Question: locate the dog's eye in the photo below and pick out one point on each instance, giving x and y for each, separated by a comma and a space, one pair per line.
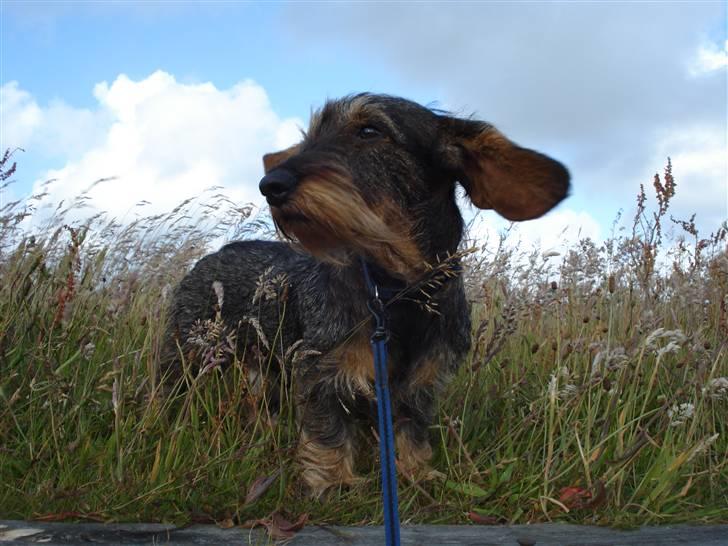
368, 132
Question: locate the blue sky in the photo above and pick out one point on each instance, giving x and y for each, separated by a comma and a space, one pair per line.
610, 89
60, 50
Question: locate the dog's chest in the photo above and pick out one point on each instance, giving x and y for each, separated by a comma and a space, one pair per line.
415, 337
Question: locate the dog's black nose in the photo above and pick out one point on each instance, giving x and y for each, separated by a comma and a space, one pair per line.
277, 185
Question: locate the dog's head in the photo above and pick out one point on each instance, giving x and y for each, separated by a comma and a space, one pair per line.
375, 175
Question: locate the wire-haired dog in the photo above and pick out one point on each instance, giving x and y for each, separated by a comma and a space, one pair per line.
372, 181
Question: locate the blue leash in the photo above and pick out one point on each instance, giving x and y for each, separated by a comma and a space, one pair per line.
384, 412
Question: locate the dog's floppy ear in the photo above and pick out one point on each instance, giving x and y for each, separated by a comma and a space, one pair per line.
518, 183
271, 161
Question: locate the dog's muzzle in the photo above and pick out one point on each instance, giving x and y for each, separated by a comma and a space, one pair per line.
277, 186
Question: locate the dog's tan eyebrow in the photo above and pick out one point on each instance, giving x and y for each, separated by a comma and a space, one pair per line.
368, 113
356, 111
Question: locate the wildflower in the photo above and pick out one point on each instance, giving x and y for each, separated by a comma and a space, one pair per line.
88, 350
671, 347
673, 341
716, 388
703, 445
605, 361
553, 386
269, 287
205, 333
680, 414
568, 391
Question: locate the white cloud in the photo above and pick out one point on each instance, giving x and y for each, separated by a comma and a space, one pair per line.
590, 83
57, 130
557, 230
162, 140
20, 116
710, 57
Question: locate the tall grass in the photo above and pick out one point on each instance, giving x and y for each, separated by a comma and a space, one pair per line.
597, 389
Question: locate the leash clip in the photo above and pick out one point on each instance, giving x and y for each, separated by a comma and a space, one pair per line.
376, 308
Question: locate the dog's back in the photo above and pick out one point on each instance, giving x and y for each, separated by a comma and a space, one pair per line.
247, 284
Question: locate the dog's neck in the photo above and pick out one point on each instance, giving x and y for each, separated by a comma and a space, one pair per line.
442, 228
387, 284
445, 268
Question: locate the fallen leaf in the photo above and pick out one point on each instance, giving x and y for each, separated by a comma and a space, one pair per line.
280, 528
481, 519
259, 486
574, 497
227, 523
287, 525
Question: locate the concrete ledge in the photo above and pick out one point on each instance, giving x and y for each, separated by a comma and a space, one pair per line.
21, 532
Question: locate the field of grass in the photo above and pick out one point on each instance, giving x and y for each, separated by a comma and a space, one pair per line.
597, 390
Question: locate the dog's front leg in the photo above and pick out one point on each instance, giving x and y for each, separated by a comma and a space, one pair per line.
414, 414
325, 449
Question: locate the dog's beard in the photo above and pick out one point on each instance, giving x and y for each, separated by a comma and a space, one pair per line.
311, 237
328, 217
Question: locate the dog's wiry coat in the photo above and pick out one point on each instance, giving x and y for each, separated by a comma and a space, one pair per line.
374, 179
